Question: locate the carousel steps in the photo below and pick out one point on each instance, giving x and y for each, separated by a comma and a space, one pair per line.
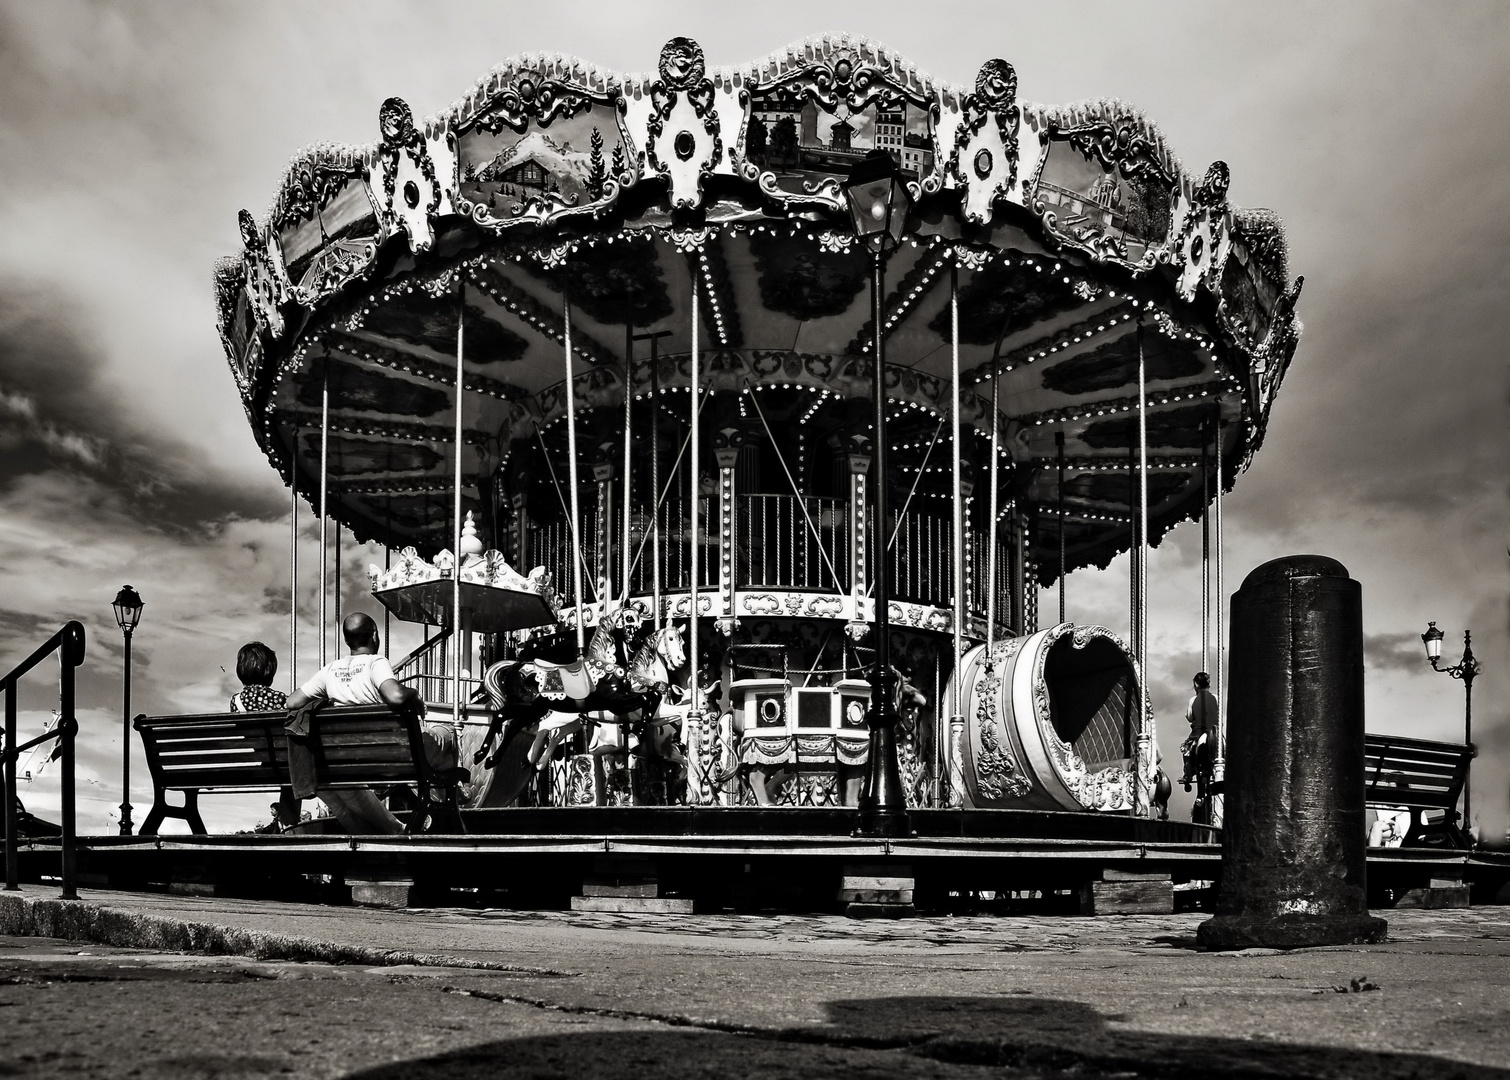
1127, 892
628, 885
877, 891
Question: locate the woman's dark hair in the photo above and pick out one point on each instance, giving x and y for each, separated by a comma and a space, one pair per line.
1202, 681
256, 664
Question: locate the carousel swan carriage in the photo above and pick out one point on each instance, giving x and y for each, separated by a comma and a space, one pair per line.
594, 356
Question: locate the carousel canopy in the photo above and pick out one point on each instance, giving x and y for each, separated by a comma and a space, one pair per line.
1072, 237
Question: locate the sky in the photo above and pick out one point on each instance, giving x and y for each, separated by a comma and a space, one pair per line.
130, 134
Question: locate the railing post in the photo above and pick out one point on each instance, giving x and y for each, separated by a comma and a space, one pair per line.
726, 447
12, 854
859, 454
71, 654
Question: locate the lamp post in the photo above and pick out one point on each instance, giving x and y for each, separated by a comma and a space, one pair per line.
1466, 669
878, 201
128, 612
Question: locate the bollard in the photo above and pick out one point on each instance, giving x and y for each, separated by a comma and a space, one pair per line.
1293, 842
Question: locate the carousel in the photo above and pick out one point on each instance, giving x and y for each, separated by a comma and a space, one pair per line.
722, 426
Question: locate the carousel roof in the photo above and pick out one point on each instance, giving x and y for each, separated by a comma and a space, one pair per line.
1073, 233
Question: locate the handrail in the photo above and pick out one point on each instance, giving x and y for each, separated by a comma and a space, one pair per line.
420, 652
70, 634
68, 643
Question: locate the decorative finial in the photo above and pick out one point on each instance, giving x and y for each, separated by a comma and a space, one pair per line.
471, 543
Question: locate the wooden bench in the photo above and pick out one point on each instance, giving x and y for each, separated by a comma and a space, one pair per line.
354, 746
1420, 775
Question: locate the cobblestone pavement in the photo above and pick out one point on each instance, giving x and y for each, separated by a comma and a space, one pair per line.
717, 995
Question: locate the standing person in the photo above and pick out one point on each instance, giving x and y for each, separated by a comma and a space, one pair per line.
366, 678
256, 665
1201, 714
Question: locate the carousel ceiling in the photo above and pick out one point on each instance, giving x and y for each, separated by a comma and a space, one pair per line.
1075, 237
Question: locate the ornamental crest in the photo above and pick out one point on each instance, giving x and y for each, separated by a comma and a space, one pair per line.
983, 160
1201, 247
410, 187
266, 284
685, 141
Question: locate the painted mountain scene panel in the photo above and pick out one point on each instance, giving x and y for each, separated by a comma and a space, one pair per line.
543, 168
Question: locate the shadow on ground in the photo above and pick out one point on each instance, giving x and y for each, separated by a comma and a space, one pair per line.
1015, 1036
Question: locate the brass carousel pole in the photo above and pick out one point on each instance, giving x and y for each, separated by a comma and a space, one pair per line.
624, 541
461, 321
655, 480
1219, 766
956, 715
694, 713
991, 559
1059, 453
1146, 741
1205, 547
324, 497
337, 589
293, 565
571, 453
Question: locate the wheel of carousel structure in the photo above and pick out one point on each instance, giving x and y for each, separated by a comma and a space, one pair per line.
1051, 722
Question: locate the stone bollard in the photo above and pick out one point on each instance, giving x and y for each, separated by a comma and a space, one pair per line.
1293, 842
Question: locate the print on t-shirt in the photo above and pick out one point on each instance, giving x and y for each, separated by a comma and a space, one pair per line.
351, 680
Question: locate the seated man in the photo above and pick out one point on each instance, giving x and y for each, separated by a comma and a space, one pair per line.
365, 678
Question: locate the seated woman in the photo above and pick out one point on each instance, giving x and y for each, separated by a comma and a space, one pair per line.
256, 665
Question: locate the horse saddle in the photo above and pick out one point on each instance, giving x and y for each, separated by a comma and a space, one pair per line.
562, 682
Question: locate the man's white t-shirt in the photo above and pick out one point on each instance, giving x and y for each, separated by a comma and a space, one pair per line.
351, 680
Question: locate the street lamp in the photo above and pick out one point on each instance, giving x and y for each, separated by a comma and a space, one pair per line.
1465, 669
878, 200
128, 612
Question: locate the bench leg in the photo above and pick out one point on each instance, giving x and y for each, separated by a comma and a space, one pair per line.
191, 813
154, 817
188, 812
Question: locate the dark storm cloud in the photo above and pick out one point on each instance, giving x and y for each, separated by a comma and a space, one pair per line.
57, 414
1393, 652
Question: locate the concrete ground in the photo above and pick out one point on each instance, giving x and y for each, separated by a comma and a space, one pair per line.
333, 992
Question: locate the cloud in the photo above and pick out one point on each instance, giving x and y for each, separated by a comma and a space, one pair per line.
57, 413
1393, 652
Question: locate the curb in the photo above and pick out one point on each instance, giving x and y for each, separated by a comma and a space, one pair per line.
76, 920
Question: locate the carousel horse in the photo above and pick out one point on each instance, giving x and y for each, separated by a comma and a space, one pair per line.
549, 696
767, 781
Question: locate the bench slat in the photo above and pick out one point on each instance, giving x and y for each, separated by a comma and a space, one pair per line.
189, 746
195, 761
222, 777
1425, 799
1437, 760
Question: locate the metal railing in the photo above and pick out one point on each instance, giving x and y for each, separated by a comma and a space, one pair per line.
921, 558
775, 546
68, 643
778, 546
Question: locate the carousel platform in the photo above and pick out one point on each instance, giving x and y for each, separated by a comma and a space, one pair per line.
715, 858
